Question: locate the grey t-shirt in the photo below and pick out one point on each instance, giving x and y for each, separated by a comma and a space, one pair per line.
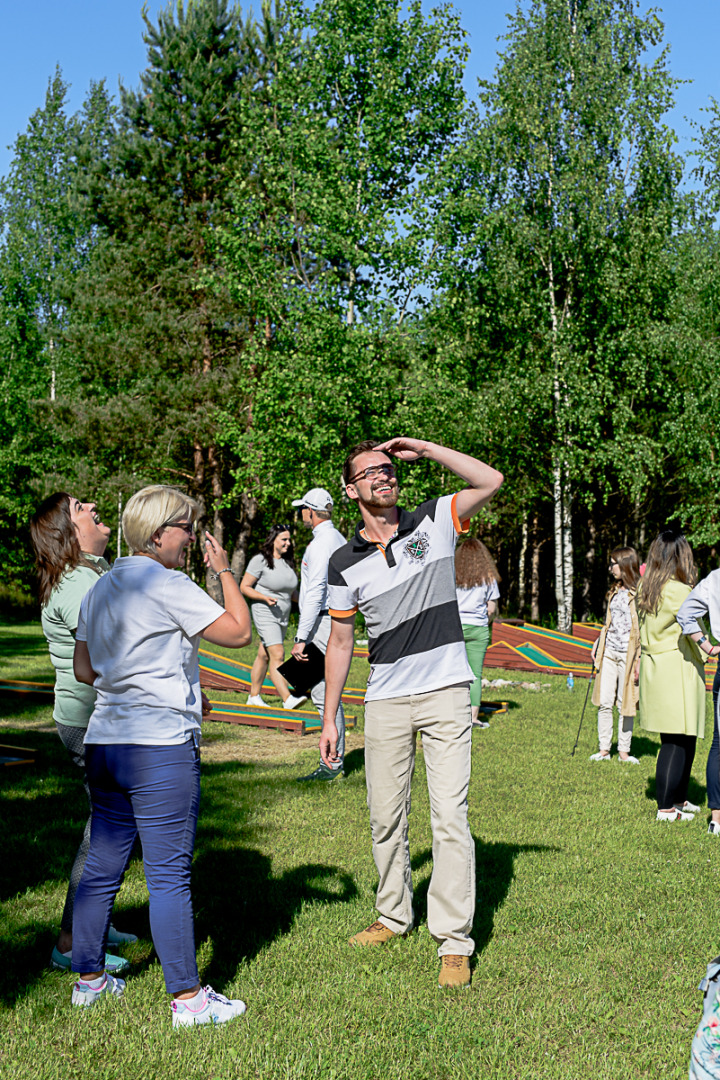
280, 582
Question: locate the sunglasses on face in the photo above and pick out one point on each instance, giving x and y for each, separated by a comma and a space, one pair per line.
373, 472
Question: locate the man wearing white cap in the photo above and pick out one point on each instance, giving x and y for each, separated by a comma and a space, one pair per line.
314, 623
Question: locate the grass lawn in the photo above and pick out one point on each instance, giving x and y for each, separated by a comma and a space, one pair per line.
594, 923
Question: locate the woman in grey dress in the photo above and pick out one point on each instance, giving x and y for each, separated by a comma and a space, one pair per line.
270, 584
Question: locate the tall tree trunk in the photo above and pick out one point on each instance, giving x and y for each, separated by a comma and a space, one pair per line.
589, 570
535, 546
213, 586
248, 513
521, 567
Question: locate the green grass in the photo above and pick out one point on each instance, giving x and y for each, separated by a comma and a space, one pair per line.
594, 923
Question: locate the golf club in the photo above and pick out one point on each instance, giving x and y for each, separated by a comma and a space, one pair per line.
582, 715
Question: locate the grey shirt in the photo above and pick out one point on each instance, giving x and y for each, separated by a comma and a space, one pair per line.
703, 601
280, 582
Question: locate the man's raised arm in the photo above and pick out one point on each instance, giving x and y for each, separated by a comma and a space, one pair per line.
483, 481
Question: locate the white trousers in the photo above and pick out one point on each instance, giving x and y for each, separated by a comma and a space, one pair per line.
391, 727
612, 681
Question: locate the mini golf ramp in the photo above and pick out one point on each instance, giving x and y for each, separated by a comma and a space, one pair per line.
301, 721
220, 673
525, 647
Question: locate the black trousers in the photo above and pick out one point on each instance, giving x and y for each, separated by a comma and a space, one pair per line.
672, 775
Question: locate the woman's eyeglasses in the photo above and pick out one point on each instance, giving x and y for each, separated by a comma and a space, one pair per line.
280, 528
186, 526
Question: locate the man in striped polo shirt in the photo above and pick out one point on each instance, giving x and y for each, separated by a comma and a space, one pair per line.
399, 571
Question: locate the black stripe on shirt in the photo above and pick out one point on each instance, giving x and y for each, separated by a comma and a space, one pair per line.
430, 629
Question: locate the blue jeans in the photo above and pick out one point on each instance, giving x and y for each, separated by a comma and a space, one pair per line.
712, 771
153, 791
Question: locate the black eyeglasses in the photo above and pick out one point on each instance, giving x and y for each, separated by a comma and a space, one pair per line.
281, 528
373, 472
186, 526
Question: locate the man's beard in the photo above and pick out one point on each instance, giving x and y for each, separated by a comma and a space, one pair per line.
387, 499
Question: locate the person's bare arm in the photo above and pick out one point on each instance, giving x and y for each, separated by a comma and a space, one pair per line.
82, 668
483, 481
492, 606
233, 629
247, 588
338, 658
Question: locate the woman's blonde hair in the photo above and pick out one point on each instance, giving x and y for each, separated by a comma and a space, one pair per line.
148, 510
474, 565
669, 556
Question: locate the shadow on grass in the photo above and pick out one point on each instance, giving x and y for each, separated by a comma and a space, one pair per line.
238, 902
23, 646
643, 747
354, 761
494, 873
696, 792
243, 907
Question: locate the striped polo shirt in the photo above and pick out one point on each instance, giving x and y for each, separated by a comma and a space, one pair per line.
406, 591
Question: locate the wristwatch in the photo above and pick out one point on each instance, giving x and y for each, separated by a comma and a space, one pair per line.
299, 641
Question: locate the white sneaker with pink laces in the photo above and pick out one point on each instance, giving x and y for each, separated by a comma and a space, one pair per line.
206, 1007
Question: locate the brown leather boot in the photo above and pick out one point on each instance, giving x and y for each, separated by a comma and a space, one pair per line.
377, 934
454, 972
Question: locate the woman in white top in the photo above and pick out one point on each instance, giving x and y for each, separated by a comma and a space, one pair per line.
476, 587
137, 643
615, 655
270, 584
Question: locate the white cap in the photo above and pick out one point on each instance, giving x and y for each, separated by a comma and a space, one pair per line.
315, 499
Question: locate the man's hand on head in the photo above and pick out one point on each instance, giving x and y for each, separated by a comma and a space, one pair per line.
405, 449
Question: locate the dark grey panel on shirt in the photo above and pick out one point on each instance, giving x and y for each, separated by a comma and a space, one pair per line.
428, 630
433, 584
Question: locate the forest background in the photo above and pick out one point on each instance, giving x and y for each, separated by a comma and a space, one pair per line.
300, 230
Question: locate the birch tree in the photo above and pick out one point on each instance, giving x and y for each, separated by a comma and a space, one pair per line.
569, 179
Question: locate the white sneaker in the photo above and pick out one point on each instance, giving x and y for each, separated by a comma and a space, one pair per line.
714, 828
293, 702
688, 807
673, 815
629, 760
86, 994
257, 700
599, 757
206, 1007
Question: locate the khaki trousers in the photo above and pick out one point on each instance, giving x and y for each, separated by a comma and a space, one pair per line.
612, 681
391, 726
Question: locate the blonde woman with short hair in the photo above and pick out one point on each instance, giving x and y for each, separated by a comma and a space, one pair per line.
137, 643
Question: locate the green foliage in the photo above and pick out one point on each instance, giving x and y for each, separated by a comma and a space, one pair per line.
297, 233
46, 235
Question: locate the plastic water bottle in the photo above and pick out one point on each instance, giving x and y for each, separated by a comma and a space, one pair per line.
570, 681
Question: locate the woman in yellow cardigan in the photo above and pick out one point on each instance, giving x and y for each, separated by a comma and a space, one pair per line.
672, 681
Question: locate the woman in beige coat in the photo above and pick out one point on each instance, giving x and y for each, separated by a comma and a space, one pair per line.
615, 655
672, 681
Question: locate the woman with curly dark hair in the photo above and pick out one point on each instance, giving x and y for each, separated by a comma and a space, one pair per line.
69, 541
476, 587
270, 584
672, 680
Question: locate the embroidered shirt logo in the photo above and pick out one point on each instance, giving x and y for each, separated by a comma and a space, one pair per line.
417, 547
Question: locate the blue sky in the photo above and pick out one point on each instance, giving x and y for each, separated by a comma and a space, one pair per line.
92, 39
